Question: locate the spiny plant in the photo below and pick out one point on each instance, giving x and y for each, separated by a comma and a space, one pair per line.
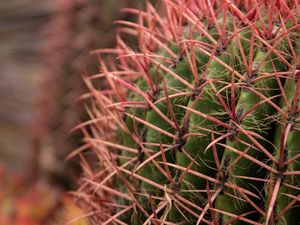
199, 124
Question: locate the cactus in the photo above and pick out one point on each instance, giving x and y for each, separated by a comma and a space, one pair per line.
199, 123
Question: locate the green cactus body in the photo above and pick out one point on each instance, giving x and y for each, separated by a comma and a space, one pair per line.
216, 138
289, 183
207, 104
194, 148
254, 121
286, 145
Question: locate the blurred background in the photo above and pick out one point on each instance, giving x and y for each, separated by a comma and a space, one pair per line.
22, 72
44, 51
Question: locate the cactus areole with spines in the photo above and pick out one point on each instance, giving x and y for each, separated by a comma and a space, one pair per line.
200, 123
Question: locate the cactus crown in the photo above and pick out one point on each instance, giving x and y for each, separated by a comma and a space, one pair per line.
200, 123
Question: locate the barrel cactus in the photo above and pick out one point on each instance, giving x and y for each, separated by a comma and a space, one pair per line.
198, 124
